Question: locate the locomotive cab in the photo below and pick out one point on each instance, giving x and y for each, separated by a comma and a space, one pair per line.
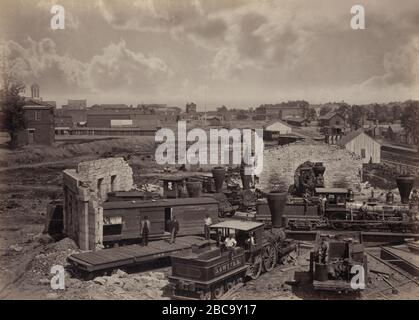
210, 273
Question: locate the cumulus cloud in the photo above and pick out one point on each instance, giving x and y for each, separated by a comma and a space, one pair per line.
120, 68
115, 68
37, 61
273, 49
401, 67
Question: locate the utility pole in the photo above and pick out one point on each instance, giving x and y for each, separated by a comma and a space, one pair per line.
205, 105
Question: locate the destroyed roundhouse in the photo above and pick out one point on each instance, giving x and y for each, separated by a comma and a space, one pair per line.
85, 189
344, 169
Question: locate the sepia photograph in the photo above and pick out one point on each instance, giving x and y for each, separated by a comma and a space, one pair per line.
230, 150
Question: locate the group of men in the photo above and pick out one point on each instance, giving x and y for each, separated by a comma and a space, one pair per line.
146, 226
173, 228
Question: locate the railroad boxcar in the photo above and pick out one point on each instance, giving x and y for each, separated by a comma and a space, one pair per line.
122, 219
216, 270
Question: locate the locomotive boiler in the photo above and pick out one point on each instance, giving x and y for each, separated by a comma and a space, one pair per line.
337, 208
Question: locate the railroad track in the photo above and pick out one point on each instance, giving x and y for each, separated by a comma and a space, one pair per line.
395, 288
368, 238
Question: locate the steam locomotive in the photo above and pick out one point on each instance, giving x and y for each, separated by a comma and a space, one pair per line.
311, 206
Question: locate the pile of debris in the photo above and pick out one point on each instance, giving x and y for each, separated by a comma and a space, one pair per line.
53, 254
149, 285
148, 187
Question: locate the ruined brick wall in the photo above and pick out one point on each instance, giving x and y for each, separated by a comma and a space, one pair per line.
85, 189
343, 169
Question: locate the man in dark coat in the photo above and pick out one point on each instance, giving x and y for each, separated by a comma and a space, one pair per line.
174, 229
145, 230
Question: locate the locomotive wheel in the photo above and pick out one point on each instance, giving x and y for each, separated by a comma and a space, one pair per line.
239, 280
256, 267
205, 295
230, 285
336, 225
218, 291
269, 258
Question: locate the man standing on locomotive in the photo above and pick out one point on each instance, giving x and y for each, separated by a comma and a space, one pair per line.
145, 230
208, 222
364, 211
230, 243
323, 201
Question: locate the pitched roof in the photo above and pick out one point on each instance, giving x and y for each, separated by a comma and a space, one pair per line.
330, 115
296, 119
350, 136
275, 121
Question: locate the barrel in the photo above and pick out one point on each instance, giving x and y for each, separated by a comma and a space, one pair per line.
321, 272
276, 202
194, 188
218, 173
246, 178
405, 185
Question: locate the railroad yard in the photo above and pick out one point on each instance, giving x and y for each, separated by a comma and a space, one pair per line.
27, 253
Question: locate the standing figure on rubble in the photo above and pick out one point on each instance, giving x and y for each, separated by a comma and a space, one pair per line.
324, 251
415, 196
207, 223
145, 230
323, 201
363, 210
174, 229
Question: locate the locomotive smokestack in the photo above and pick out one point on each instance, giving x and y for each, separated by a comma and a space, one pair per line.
405, 186
246, 178
276, 202
218, 173
194, 187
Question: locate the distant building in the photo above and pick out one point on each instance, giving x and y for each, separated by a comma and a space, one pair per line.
191, 107
281, 110
332, 119
121, 118
363, 145
276, 128
77, 115
214, 121
162, 111
297, 121
75, 105
109, 107
62, 124
39, 118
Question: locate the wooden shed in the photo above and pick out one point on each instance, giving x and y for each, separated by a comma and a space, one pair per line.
276, 128
363, 145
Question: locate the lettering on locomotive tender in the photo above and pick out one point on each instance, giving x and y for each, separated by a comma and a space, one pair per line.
227, 266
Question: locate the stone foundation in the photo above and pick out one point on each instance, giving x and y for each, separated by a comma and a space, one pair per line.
85, 189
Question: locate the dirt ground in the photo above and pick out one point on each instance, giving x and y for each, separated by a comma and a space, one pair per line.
27, 255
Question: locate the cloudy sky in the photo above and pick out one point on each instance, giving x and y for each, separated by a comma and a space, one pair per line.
239, 53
